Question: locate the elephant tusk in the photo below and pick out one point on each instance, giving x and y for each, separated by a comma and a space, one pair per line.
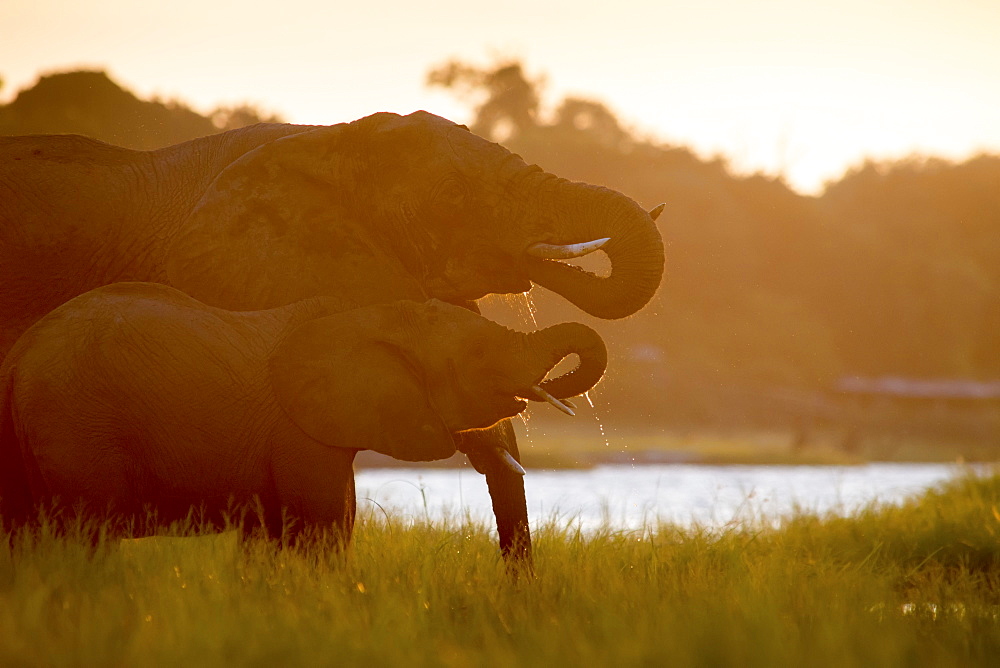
552, 400
510, 462
655, 212
566, 252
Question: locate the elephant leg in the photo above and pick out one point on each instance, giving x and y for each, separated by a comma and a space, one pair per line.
506, 488
16, 502
316, 490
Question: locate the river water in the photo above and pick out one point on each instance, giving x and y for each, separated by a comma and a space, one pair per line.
633, 497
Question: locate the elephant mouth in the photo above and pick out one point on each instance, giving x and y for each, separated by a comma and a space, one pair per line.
564, 254
476, 279
499, 410
537, 393
453, 292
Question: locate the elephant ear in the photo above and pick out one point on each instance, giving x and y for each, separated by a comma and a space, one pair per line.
260, 236
358, 392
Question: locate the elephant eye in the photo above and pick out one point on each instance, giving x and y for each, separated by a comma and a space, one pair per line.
450, 193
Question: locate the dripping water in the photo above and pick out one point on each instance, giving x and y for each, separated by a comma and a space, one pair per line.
523, 415
510, 310
529, 306
516, 311
597, 418
530, 303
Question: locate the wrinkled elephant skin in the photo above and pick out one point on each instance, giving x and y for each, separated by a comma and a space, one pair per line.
381, 209
135, 396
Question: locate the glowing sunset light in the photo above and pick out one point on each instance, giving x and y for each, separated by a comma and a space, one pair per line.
800, 89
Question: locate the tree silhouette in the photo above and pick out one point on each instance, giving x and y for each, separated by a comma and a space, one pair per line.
88, 102
231, 118
592, 119
770, 296
508, 103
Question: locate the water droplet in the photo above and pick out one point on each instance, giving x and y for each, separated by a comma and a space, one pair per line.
523, 309
531, 308
597, 418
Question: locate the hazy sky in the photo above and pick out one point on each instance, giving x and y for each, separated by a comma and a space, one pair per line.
803, 87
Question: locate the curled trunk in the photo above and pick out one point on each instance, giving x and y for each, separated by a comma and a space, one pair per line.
635, 249
554, 343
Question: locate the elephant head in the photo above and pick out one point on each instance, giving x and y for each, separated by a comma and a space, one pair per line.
423, 373
391, 207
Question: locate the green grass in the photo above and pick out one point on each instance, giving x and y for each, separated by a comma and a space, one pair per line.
914, 585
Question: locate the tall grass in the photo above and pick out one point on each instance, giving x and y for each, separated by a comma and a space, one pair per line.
911, 585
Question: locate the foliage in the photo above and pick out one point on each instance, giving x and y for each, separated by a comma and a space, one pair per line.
892, 586
90, 103
509, 103
926, 236
769, 296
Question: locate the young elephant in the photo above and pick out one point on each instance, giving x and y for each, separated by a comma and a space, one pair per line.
135, 396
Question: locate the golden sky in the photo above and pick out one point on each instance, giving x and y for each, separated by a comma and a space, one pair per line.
802, 88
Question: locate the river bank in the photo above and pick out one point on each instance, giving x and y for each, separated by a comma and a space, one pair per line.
585, 449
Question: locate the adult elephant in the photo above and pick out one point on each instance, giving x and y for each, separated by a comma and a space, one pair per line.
134, 397
384, 208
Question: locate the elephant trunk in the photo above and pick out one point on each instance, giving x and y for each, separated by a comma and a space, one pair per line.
510, 507
554, 343
634, 247
506, 489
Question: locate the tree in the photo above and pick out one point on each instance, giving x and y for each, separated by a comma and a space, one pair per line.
592, 119
90, 103
508, 103
239, 116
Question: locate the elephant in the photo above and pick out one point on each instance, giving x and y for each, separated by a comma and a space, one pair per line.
135, 397
377, 210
